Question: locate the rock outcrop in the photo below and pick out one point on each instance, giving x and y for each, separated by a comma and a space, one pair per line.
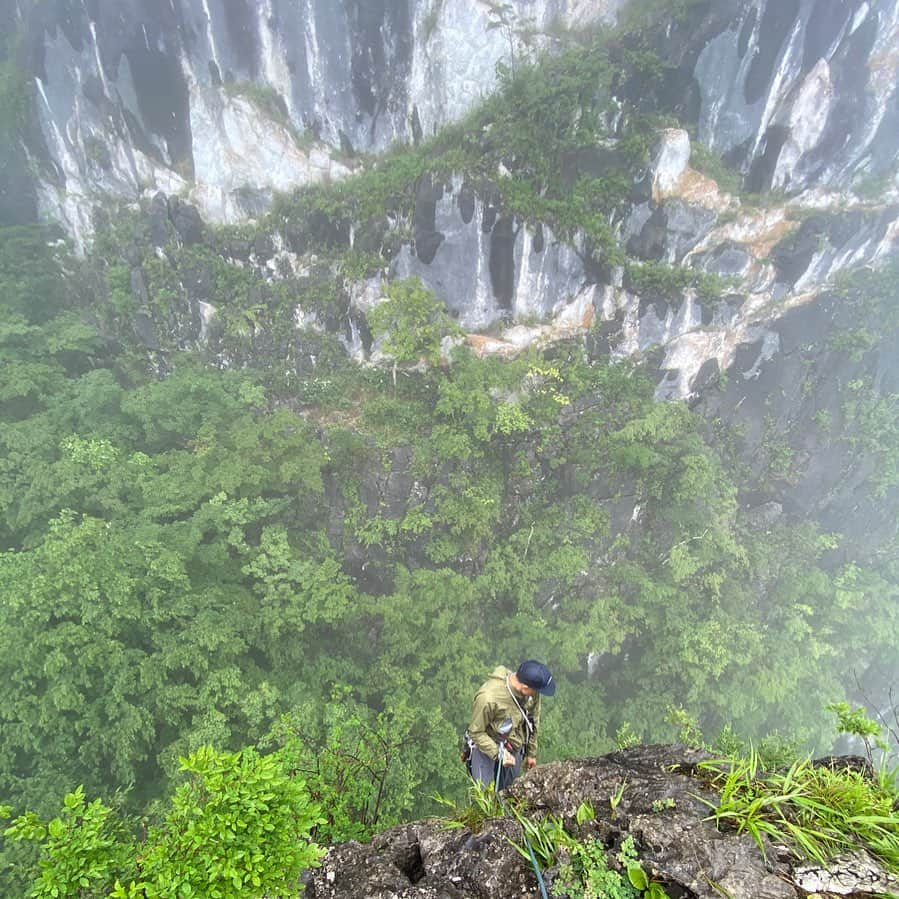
652, 794
494, 269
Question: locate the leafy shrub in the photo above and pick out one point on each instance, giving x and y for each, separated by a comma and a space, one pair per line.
710, 164
238, 827
412, 322
670, 281
588, 875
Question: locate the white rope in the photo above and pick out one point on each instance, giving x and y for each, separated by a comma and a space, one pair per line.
524, 715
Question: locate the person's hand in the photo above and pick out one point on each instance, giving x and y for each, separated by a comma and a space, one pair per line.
530, 762
508, 760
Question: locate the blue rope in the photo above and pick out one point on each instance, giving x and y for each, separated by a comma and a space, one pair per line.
536, 866
527, 842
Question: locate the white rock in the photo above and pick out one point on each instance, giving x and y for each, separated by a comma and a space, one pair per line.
849, 875
366, 295
235, 145
807, 120
670, 162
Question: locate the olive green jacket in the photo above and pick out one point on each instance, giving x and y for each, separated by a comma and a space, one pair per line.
493, 704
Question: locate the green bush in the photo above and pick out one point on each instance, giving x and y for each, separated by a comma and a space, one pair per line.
239, 827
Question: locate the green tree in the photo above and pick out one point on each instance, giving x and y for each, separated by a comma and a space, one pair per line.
412, 322
359, 765
113, 661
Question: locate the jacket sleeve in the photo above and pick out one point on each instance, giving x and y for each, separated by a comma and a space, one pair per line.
482, 713
532, 746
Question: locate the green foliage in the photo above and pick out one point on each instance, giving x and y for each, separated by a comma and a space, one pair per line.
639, 879
588, 875
200, 578
855, 722
239, 826
710, 164
643, 14
547, 115
585, 812
188, 559
482, 804
585, 874
558, 96
625, 736
818, 811
511, 419
617, 796
412, 322
323, 215
359, 766
83, 851
687, 726
873, 293
545, 836
657, 279
856, 342
15, 97
31, 273
165, 609
872, 420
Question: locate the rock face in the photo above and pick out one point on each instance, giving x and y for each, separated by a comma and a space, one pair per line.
803, 92
230, 100
487, 266
649, 793
209, 98
491, 268
205, 101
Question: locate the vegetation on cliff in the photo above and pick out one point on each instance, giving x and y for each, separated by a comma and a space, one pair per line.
190, 558
633, 824
260, 543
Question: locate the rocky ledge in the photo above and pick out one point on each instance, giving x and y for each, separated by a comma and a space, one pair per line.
660, 806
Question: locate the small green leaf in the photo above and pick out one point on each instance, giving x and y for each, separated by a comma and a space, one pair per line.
637, 876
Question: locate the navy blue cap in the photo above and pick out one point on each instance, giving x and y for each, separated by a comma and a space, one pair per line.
537, 676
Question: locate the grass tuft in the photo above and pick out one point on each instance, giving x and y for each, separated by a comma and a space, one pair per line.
817, 812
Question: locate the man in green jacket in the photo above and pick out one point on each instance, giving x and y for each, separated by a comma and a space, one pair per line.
505, 717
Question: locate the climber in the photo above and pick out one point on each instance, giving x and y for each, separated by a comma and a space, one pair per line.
505, 717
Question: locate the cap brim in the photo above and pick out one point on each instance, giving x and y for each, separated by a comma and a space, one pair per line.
548, 690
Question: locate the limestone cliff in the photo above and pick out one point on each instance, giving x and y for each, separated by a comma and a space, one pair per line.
228, 101
200, 110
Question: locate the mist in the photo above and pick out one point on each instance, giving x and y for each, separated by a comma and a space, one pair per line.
352, 350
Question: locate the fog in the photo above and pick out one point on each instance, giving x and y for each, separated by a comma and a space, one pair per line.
351, 350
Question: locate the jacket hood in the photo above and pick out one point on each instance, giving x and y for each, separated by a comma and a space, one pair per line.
501, 672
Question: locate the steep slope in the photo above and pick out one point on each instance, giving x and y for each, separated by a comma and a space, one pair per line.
211, 98
230, 101
320, 486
